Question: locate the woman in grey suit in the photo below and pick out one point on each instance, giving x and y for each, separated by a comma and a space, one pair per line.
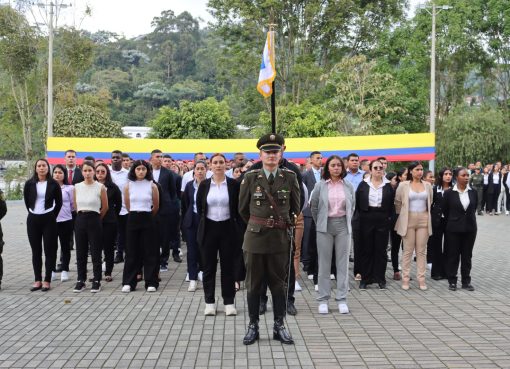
332, 205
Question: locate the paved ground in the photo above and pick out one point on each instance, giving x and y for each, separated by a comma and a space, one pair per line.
386, 329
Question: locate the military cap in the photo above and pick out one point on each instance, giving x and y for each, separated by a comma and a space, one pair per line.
270, 142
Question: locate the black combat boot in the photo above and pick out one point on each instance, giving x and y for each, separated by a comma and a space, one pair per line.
252, 334
280, 333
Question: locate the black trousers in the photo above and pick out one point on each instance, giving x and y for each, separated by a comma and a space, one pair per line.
460, 248
305, 255
65, 232
121, 236
141, 245
1, 251
396, 242
439, 251
218, 239
163, 223
274, 269
108, 245
193, 255
313, 259
88, 230
356, 269
42, 229
373, 240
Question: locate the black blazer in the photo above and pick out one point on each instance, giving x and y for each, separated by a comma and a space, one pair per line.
504, 182
457, 219
187, 201
494, 187
233, 198
53, 195
436, 211
114, 203
362, 204
77, 175
168, 193
308, 181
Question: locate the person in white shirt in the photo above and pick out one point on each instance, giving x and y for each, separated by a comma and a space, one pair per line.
120, 178
188, 176
217, 206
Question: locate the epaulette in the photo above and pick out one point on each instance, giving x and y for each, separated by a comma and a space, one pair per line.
252, 172
287, 170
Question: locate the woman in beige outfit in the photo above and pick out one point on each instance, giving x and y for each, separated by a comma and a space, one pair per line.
413, 200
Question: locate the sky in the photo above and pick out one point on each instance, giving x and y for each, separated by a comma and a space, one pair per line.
133, 18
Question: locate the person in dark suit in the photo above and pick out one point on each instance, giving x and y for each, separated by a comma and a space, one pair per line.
309, 246
436, 251
219, 233
493, 189
190, 220
506, 184
168, 215
73, 171
459, 209
372, 221
3, 211
43, 200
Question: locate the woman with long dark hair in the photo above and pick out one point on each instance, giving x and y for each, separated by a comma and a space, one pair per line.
493, 188
459, 209
65, 224
395, 239
374, 211
219, 233
413, 201
141, 197
332, 206
436, 251
43, 200
91, 203
110, 220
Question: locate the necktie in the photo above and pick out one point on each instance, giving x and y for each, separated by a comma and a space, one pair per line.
70, 177
270, 179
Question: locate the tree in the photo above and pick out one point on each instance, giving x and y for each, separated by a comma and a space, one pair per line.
469, 135
85, 121
18, 57
363, 96
202, 119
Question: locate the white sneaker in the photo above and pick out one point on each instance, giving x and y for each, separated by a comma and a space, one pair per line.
317, 288
230, 310
180, 252
310, 276
507, 212
210, 309
126, 288
332, 277
343, 308
103, 267
187, 277
64, 276
54, 276
429, 265
200, 276
192, 286
323, 309
151, 289
297, 287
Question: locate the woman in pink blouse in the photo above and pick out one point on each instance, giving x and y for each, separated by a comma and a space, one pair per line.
332, 205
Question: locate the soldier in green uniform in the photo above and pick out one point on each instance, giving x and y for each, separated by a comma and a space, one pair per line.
476, 182
3, 211
269, 202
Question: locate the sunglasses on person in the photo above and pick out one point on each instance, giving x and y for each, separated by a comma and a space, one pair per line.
377, 168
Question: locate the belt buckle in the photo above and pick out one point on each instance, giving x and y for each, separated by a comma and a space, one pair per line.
270, 223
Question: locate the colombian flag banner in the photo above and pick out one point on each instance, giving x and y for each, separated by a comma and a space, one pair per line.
404, 147
267, 67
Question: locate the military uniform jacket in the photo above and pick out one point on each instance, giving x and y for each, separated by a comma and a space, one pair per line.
253, 201
476, 180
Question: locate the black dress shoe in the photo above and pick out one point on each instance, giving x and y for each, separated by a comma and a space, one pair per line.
438, 277
252, 335
177, 259
45, 289
118, 259
262, 308
382, 286
452, 287
362, 285
291, 309
281, 334
35, 288
468, 287
58, 269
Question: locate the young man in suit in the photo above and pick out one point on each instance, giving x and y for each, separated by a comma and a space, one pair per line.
3, 211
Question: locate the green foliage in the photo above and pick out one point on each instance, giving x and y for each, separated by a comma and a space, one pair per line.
472, 134
303, 120
202, 119
85, 121
13, 178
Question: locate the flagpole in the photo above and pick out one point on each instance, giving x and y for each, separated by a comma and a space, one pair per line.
273, 95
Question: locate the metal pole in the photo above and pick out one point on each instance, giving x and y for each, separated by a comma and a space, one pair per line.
50, 74
433, 82
273, 110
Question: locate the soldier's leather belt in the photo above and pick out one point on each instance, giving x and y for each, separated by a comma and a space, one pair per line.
268, 222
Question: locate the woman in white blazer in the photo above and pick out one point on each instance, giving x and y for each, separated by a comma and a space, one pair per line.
332, 205
413, 201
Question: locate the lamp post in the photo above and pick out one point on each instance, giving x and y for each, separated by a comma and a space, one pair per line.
434, 10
